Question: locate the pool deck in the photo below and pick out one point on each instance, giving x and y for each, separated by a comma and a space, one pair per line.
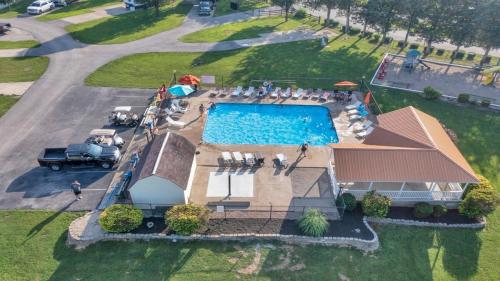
304, 183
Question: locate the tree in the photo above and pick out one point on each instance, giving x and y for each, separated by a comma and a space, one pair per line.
156, 4
462, 30
346, 7
284, 4
488, 34
382, 15
434, 22
7, 2
317, 4
361, 14
410, 11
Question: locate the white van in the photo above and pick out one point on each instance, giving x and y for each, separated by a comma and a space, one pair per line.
136, 4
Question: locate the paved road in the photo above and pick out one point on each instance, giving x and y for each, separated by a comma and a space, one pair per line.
58, 109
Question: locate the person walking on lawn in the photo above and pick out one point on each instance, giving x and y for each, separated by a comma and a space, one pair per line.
77, 189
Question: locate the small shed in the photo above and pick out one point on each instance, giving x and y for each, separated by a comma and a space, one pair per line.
165, 172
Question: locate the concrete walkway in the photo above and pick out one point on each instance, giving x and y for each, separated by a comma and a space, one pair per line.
14, 89
98, 13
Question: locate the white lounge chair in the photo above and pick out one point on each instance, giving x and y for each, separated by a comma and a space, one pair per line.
365, 133
249, 92
226, 156
175, 123
249, 159
298, 93
355, 117
353, 106
325, 96
276, 93
176, 106
238, 158
282, 160
286, 94
352, 112
317, 94
362, 126
237, 91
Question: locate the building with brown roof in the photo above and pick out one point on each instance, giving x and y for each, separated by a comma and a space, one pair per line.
165, 172
408, 157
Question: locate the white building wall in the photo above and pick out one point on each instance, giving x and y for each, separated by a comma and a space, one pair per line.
187, 192
155, 190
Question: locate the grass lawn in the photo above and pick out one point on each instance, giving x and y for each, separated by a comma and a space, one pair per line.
19, 44
77, 8
15, 9
223, 7
131, 26
7, 102
315, 67
22, 69
248, 29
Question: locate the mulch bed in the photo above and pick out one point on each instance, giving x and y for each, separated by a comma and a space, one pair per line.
451, 217
350, 226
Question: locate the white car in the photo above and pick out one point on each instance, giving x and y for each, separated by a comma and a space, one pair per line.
39, 7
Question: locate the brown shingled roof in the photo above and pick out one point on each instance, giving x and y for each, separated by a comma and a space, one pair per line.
407, 145
169, 156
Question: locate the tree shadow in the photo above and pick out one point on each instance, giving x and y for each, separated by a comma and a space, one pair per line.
460, 252
37, 228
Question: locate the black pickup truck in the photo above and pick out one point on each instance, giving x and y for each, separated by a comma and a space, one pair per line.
87, 154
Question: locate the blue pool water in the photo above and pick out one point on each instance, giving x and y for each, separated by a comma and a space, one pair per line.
269, 124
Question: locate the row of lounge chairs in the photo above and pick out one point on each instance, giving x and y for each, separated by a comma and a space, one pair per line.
239, 159
278, 92
175, 107
361, 129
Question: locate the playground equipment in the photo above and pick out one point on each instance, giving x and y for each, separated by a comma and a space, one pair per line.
413, 59
490, 75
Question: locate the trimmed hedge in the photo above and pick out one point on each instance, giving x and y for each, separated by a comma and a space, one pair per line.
300, 14
375, 205
120, 218
478, 202
431, 93
463, 98
484, 183
422, 210
187, 219
439, 210
313, 223
349, 201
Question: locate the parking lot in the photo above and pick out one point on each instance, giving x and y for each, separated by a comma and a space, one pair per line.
23, 184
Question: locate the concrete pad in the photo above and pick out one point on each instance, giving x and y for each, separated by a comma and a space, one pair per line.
10, 53
14, 89
16, 34
98, 13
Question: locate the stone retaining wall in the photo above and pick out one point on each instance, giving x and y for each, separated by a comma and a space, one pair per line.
479, 225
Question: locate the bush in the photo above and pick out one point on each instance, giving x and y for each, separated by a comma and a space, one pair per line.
354, 31
120, 218
300, 14
387, 40
349, 201
439, 210
187, 219
440, 52
313, 223
485, 103
458, 55
422, 210
414, 46
375, 38
430, 93
375, 205
471, 56
331, 23
484, 183
402, 44
463, 98
368, 34
478, 202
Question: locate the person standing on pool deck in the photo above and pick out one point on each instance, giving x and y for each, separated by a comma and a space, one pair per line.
201, 109
303, 149
77, 189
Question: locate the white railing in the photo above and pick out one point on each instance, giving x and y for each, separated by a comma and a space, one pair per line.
333, 179
412, 195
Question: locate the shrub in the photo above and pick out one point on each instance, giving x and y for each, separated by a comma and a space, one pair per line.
422, 210
430, 93
375, 38
300, 14
402, 44
440, 52
354, 31
485, 103
439, 210
187, 219
375, 205
120, 218
458, 55
349, 201
387, 40
463, 98
478, 202
470, 56
331, 23
414, 46
484, 183
313, 223
368, 34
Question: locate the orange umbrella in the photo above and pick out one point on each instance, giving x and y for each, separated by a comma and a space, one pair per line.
189, 80
345, 84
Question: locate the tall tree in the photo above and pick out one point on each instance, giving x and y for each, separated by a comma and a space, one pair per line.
7, 2
346, 7
463, 23
285, 5
382, 15
434, 22
488, 35
410, 11
328, 4
361, 14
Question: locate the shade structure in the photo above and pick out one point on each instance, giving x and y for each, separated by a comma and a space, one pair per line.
189, 80
180, 90
345, 84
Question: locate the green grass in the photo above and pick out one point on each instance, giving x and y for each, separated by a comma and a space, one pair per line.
77, 8
131, 26
15, 9
248, 29
22, 69
7, 102
19, 44
223, 7
315, 67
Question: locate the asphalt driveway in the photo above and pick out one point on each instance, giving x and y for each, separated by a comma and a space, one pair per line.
25, 185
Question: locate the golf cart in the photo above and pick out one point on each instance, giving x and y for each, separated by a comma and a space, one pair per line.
123, 115
106, 137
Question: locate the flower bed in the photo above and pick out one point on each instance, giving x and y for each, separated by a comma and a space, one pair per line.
451, 217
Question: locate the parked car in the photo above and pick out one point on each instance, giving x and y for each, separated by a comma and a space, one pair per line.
86, 154
40, 6
63, 3
106, 137
137, 4
123, 115
205, 8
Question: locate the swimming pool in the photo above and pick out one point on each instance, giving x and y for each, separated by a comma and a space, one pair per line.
269, 124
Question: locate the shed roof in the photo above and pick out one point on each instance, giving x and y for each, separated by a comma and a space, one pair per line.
168, 156
407, 145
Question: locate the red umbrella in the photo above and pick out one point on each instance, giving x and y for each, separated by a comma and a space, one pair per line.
346, 84
189, 80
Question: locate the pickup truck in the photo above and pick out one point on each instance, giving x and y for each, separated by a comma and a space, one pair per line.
87, 154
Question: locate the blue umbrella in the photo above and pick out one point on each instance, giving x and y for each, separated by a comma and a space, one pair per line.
181, 90
413, 53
